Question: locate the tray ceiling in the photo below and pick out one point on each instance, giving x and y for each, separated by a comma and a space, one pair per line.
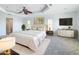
52, 9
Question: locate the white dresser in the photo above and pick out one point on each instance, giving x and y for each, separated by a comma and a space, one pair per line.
66, 33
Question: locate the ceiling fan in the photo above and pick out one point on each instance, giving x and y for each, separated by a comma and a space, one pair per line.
25, 11
46, 7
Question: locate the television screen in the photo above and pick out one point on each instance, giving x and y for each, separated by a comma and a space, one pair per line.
65, 21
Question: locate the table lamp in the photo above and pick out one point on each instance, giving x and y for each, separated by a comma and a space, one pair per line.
6, 44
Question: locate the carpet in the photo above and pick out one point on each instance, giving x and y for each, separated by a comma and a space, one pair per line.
25, 51
63, 46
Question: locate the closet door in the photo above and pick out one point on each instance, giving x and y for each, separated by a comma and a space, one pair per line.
9, 25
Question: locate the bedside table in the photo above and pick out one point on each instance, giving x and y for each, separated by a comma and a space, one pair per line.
49, 33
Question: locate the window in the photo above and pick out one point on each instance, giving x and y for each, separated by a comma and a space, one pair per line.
28, 24
50, 24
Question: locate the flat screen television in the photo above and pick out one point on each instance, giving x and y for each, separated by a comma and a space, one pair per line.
65, 21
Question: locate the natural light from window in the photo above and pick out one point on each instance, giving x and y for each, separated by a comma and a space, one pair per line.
28, 24
50, 24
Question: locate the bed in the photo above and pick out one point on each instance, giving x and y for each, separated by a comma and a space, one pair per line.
30, 38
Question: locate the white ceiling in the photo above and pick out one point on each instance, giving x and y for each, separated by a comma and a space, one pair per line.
55, 8
62, 8
18, 7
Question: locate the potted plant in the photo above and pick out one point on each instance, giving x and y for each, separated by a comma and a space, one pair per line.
23, 27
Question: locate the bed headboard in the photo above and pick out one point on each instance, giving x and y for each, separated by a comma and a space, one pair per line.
41, 27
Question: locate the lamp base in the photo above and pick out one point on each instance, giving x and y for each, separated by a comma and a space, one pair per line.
7, 52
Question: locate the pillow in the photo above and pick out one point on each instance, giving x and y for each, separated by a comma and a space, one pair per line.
34, 28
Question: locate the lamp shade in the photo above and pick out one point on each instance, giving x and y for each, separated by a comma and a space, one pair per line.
7, 43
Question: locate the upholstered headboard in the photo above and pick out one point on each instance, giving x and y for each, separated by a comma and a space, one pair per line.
41, 27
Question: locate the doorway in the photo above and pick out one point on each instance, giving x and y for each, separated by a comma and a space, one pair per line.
9, 25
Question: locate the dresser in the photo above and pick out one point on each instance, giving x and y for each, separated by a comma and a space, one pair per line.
66, 33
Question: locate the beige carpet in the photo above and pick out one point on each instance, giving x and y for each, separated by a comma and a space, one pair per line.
25, 51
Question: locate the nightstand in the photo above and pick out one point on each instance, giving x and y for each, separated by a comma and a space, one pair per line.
49, 33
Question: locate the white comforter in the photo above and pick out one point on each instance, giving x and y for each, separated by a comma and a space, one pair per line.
40, 35
30, 38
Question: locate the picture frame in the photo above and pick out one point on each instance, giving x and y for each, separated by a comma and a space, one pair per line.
39, 20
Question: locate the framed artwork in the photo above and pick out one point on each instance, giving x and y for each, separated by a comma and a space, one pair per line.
39, 20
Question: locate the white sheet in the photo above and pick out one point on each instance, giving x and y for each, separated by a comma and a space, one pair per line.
39, 34
30, 38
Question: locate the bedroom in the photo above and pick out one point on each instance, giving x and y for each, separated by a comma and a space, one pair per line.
44, 18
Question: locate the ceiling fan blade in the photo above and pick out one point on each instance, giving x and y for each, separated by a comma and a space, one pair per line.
45, 8
20, 11
3, 10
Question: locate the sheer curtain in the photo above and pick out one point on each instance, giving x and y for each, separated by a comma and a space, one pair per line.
28, 24
50, 24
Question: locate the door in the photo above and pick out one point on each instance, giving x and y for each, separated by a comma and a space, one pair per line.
9, 25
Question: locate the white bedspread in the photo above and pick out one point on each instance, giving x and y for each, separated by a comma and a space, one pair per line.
40, 35
30, 38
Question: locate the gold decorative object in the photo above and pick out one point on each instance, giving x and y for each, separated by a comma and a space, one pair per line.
39, 20
7, 52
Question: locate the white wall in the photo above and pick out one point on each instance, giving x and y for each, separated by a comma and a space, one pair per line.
2, 24
55, 19
64, 15
17, 22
